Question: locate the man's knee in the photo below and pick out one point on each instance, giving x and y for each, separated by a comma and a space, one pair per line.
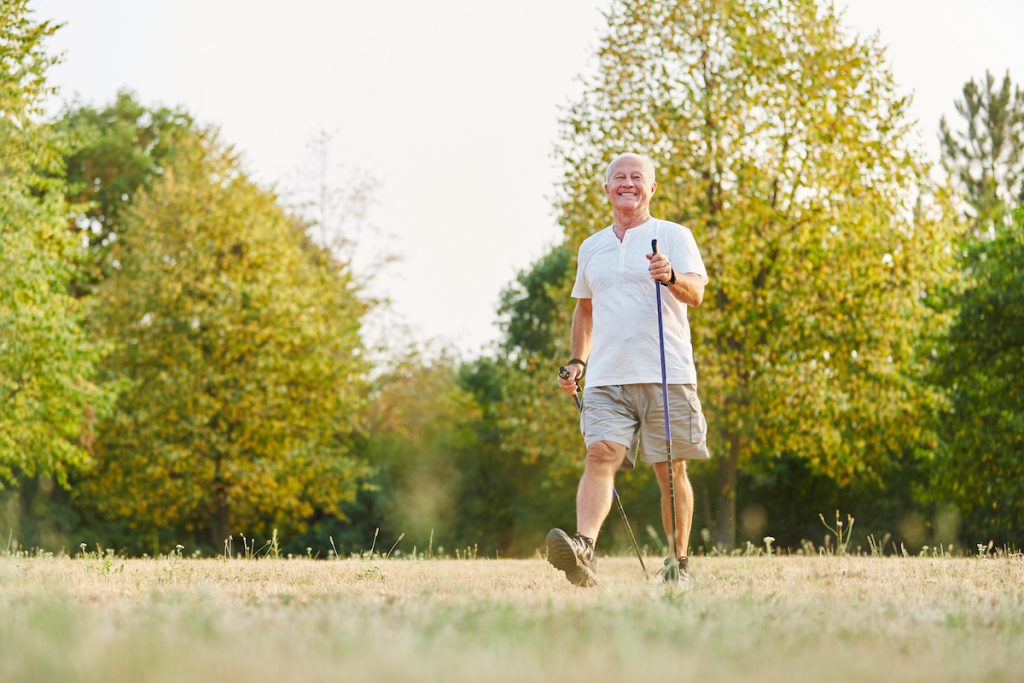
605, 455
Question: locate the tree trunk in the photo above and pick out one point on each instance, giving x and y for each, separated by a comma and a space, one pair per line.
220, 522
725, 519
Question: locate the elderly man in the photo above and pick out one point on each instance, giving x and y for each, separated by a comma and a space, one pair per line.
615, 343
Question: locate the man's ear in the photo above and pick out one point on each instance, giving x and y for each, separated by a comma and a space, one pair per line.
654, 186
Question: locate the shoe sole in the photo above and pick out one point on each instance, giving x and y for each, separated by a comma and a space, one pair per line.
563, 558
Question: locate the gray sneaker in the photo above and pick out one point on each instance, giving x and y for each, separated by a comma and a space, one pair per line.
572, 555
676, 573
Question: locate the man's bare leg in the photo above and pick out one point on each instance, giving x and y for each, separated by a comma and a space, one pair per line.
594, 496
684, 503
574, 555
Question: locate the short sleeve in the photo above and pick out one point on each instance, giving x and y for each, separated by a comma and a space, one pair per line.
687, 257
581, 288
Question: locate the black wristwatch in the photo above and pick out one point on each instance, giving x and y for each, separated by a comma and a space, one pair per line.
577, 361
671, 280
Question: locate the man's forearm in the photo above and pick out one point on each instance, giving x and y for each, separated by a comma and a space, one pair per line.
689, 288
582, 335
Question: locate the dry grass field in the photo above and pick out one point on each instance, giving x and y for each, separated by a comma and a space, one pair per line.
787, 618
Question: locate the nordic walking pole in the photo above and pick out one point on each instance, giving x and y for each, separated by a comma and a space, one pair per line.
563, 372
673, 566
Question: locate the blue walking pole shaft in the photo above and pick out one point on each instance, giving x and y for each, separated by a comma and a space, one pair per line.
668, 424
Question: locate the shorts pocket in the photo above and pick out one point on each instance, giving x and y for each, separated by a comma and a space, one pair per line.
681, 412
698, 424
698, 427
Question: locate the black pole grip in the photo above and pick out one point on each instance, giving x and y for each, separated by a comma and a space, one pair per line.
654, 246
563, 372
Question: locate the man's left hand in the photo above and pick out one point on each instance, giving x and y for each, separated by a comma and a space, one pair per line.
660, 268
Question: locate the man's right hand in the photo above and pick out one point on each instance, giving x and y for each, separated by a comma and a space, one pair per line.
568, 380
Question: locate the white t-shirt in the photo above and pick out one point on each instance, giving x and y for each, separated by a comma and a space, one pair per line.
615, 276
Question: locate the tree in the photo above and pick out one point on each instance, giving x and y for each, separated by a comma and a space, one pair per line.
977, 469
986, 159
980, 469
116, 152
48, 397
240, 339
783, 144
532, 310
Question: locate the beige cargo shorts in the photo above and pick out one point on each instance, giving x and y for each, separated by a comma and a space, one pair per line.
633, 415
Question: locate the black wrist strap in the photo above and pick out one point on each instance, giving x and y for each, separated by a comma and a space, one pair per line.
671, 280
577, 361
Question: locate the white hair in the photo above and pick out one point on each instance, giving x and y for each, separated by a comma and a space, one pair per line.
646, 161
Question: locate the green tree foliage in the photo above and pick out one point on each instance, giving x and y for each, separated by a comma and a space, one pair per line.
980, 470
977, 471
117, 151
782, 142
986, 158
532, 310
241, 342
48, 400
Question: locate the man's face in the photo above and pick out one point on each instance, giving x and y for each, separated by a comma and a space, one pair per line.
630, 185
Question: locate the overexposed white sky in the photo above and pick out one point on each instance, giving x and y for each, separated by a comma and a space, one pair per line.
451, 106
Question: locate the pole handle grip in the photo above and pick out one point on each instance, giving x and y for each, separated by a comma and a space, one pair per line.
654, 246
563, 372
